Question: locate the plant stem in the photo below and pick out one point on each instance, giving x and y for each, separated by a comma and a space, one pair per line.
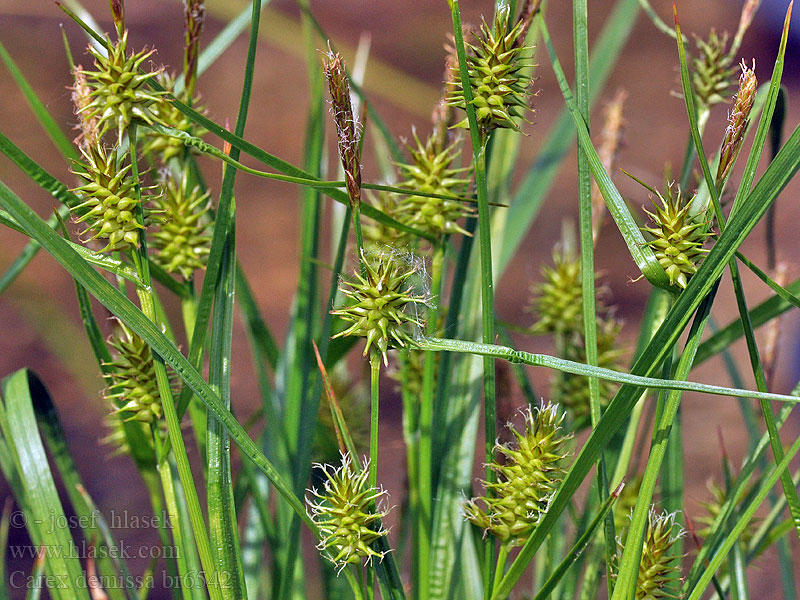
375, 375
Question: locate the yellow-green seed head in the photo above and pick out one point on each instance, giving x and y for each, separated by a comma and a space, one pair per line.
380, 303
528, 473
378, 235
134, 391
658, 568
557, 300
497, 65
119, 90
572, 391
109, 206
678, 237
431, 171
712, 71
714, 506
183, 242
348, 515
165, 147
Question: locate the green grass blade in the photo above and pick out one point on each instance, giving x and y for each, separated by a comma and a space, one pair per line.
541, 175
18, 424
48, 123
576, 551
641, 253
781, 292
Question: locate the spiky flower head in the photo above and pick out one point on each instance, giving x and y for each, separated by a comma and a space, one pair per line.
381, 302
658, 569
738, 118
377, 234
572, 391
528, 473
134, 391
348, 515
183, 242
557, 300
165, 147
712, 71
497, 65
431, 171
714, 506
109, 205
119, 89
678, 236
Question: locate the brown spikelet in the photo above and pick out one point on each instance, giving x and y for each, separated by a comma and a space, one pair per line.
738, 119
348, 130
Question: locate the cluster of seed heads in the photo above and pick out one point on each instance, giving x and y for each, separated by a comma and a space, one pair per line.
528, 473
348, 515
380, 302
497, 65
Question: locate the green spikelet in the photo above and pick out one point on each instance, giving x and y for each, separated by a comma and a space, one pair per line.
678, 237
557, 301
496, 67
528, 474
162, 146
348, 515
183, 242
109, 206
379, 304
658, 569
119, 90
378, 235
713, 508
134, 391
431, 172
712, 71
572, 391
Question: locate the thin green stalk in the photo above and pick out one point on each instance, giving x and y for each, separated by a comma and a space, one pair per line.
375, 375
502, 556
165, 394
424, 461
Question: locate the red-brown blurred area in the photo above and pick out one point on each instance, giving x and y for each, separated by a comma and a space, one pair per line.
40, 326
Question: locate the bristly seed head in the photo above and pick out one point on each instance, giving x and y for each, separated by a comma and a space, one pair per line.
528, 474
119, 90
658, 568
557, 300
109, 206
348, 130
678, 237
183, 242
430, 171
496, 66
348, 514
738, 118
379, 304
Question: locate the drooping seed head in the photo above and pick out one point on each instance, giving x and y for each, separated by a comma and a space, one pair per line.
348, 514
380, 304
109, 206
528, 472
497, 64
678, 236
120, 91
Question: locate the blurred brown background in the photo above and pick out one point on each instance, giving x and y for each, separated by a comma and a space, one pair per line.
39, 322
